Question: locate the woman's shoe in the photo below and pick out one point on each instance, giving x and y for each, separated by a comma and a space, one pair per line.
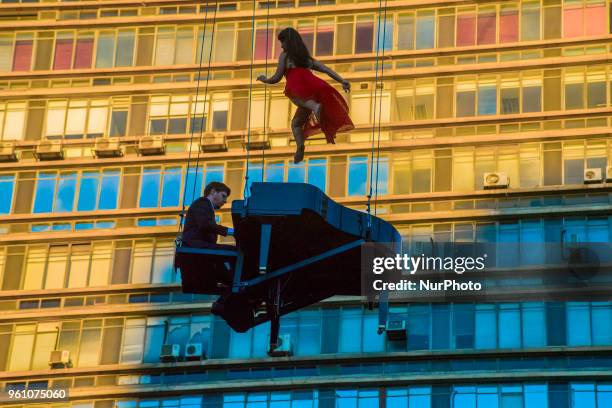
299, 154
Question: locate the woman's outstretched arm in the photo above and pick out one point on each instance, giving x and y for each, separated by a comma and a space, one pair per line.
319, 66
280, 70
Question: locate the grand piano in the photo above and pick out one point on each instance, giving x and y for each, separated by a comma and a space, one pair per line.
294, 247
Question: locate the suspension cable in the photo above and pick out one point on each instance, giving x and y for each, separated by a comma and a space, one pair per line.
182, 215
378, 46
382, 76
267, 111
246, 192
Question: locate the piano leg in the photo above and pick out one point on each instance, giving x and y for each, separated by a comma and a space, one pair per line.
237, 286
264, 248
274, 312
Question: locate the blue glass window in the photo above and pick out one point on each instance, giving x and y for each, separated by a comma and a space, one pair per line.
357, 175
536, 395
171, 187
240, 344
193, 184
66, 190
88, 191
418, 327
7, 185
602, 331
381, 175
534, 325
463, 325
486, 327
215, 172
275, 172
509, 326
578, 324
254, 175
425, 30
487, 100
385, 34
604, 395
149, 190
583, 395
350, 330
317, 173
296, 173
45, 191
109, 190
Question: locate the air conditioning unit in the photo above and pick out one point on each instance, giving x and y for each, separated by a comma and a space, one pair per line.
495, 180
257, 140
7, 152
284, 347
396, 329
170, 353
59, 359
609, 174
151, 145
592, 176
214, 142
194, 351
107, 148
49, 150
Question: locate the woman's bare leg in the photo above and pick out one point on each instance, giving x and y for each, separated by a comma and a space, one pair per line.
310, 105
297, 123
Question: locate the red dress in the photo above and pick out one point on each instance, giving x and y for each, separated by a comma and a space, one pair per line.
303, 84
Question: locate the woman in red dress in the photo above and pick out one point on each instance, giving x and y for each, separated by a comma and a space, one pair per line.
320, 106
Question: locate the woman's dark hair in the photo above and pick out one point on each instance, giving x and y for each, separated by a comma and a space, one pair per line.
296, 49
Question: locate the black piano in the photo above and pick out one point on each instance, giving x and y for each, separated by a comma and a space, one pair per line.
295, 247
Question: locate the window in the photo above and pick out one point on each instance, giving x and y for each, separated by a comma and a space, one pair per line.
487, 23
532, 94
364, 34
99, 190
184, 46
508, 24
6, 52
12, 120
263, 41
63, 50
164, 46
485, 327
357, 175
510, 96
509, 326
275, 172
306, 30
83, 52
168, 115
125, 48
596, 89
193, 184
133, 335
487, 97
405, 31
22, 57
325, 37
220, 106
574, 89
466, 27
224, 43
317, 173
466, 97
344, 39
7, 184
105, 50
530, 21
425, 29
149, 189
55, 192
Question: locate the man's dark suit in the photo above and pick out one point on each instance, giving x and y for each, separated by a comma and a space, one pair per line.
201, 228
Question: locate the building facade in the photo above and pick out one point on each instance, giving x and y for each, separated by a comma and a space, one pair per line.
112, 112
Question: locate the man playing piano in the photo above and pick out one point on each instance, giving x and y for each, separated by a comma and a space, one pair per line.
201, 228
